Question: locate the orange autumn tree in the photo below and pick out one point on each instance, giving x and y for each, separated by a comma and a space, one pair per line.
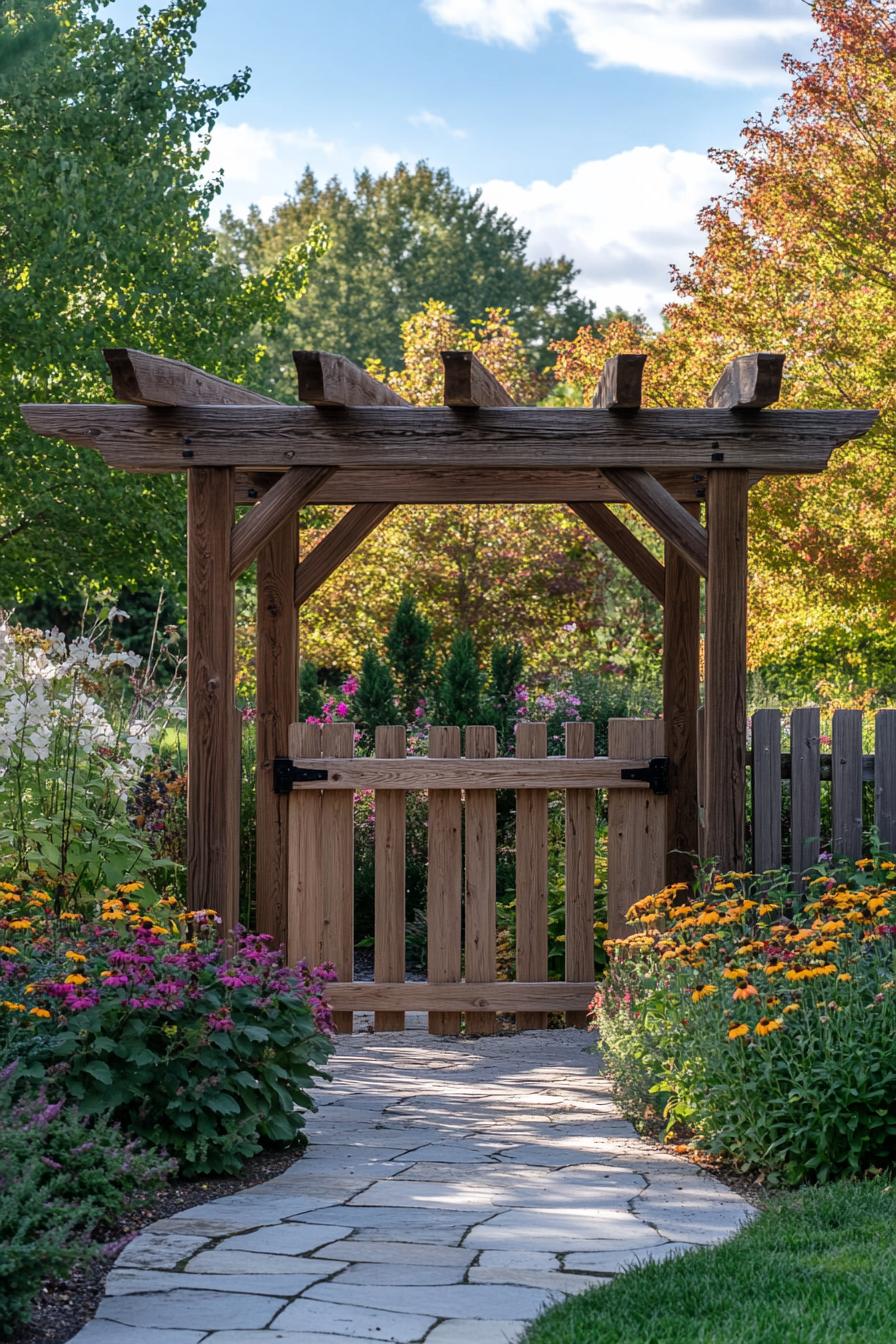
532, 572
800, 256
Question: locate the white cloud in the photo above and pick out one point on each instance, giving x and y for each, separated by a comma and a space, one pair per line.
260, 165
717, 41
623, 220
435, 122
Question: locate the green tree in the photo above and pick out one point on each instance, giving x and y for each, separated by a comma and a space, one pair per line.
396, 241
104, 240
409, 646
374, 700
311, 698
461, 683
499, 700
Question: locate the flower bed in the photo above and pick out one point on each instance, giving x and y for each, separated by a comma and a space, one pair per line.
762, 1021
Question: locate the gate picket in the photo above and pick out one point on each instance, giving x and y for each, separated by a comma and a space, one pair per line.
580, 835
337, 843
766, 789
885, 776
531, 873
444, 881
636, 825
846, 782
480, 869
805, 790
306, 907
389, 878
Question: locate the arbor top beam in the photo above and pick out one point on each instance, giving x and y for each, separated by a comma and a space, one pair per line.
156, 439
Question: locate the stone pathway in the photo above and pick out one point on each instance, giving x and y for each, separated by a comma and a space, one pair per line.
451, 1190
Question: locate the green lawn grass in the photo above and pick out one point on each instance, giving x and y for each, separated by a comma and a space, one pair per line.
816, 1267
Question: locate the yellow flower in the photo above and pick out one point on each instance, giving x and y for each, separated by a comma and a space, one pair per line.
168, 900
766, 908
745, 992
844, 976
864, 863
703, 991
75, 956
9, 886
188, 947
40, 896
766, 1025
10, 951
13, 1007
69, 914
735, 973
128, 887
20, 923
39, 1012
792, 1008
75, 980
723, 886
739, 1029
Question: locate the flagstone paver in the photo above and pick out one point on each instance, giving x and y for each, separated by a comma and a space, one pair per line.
451, 1190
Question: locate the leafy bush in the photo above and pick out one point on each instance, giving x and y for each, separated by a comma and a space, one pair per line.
763, 1021
206, 1056
65, 1182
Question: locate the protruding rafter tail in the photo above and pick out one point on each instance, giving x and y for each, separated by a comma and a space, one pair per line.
748, 383
468, 383
619, 387
333, 380
152, 380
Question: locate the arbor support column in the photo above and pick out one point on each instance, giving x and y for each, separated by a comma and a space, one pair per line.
725, 670
213, 762
681, 700
276, 674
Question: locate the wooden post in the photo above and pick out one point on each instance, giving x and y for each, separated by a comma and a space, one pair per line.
276, 654
580, 835
531, 873
681, 701
389, 877
444, 882
480, 837
212, 744
636, 824
726, 666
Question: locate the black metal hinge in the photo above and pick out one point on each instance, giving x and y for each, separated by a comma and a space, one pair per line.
286, 774
655, 773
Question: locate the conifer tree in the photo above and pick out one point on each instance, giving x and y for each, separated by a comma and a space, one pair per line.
461, 683
311, 700
374, 700
499, 704
409, 647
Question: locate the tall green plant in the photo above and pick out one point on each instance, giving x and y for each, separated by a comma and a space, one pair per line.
374, 701
500, 703
461, 683
409, 646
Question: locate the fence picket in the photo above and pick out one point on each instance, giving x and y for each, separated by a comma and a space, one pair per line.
805, 788
531, 873
636, 829
846, 783
306, 909
885, 776
443, 884
766, 788
389, 878
480, 838
580, 836
337, 845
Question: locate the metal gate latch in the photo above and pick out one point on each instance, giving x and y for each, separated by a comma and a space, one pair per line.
286, 774
655, 773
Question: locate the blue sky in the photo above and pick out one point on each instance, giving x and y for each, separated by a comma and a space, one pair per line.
589, 120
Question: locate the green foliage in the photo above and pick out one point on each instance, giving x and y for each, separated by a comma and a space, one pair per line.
814, 1267
374, 700
500, 704
311, 695
409, 647
65, 1181
460, 684
762, 1022
402, 238
105, 242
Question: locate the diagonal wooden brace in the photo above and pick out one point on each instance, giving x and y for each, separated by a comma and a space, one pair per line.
255, 527
624, 545
670, 518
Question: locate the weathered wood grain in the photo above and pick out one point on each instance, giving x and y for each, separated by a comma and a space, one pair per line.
389, 877
670, 518
292, 490
846, 783
636, 827
306, 897
725, 672
805, 790
624, 545
766, 786
469, 383
444, 882
748, 383
339, 543
532, 871
580, 838
619, 386
502, 996
333, 381
150, 380
337, 818
139, 438
681, 699
885, 776
212, 754
507, 772
480, 873
276, 654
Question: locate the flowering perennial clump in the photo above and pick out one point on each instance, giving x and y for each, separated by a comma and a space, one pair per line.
205, 1054
761, 1019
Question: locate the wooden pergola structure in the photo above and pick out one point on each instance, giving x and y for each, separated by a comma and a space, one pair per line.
353, 441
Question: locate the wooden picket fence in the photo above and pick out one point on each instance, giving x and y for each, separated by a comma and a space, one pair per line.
322, 775
788, 783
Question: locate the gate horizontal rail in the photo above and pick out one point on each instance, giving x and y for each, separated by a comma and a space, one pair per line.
424, 772
501, 996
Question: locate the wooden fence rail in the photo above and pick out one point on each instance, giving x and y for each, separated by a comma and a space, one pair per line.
322, 775
801, 769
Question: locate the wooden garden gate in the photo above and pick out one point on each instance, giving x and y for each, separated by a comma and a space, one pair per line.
322, 775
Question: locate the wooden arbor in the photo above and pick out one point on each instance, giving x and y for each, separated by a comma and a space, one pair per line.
356, 442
